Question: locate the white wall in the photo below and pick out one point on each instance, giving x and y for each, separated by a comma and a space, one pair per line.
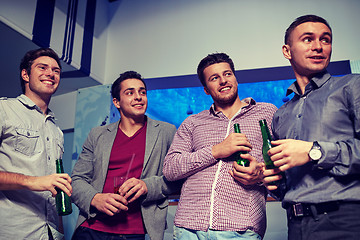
64, 107
166, 38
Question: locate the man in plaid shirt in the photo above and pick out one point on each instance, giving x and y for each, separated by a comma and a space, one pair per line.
219, 198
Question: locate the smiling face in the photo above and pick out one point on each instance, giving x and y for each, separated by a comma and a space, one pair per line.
133, 99
43, 79
221, 84
309, 49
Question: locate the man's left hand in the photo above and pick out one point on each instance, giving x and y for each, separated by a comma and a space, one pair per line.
133, 188
247, 175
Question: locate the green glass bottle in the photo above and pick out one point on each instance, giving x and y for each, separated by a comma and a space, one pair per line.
63, 201
238, 158
281, 184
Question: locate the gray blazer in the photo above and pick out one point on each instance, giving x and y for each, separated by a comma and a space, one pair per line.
89, 173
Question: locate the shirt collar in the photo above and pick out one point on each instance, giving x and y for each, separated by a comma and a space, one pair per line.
318, 80
249, 101
31, 105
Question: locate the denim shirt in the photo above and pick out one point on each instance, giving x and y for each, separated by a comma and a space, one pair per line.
30, 144
328, 112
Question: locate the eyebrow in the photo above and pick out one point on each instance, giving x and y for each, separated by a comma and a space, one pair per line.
47, 65
311, 33
130, 89
216, 74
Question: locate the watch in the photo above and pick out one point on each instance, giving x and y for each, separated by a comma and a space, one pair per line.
315, 152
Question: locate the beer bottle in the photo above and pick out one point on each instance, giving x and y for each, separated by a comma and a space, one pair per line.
238, 158
63, 201
281, 184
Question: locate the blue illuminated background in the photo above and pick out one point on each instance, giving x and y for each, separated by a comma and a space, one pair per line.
172, 99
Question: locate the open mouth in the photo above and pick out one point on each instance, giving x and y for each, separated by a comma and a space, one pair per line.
48, 82
224, 89
317, 57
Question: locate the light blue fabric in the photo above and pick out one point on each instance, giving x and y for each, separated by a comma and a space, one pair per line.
30, 143
187, 234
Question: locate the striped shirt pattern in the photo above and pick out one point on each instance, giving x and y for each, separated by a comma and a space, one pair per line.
210, 197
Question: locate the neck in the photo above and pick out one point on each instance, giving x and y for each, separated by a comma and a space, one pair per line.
302, 81
130, 126
41, 102
230, 110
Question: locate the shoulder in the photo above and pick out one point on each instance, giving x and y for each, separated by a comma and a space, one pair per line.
162, 124
101, 129
265, 107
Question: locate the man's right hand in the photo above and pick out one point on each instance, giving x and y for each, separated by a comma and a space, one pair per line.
233, 143
49, 183
109, 203
16, 181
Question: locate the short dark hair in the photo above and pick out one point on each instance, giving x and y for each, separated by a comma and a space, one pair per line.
31, 56
301, 20
210, 60
115, 88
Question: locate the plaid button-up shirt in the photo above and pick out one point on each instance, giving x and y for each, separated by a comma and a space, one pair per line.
210, 196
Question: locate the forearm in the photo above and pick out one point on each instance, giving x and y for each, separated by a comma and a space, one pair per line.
14, 181
341, 158
179, 165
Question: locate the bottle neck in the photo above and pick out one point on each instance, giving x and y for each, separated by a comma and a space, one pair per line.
59, 166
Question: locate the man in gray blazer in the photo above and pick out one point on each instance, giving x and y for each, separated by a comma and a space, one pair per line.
133, 148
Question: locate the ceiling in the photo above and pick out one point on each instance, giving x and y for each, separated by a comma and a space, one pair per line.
13, 46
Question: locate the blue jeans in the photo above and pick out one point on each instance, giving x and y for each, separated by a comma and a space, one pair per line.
83, 233
188, 234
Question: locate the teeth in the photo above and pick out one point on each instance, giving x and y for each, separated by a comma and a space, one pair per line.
224, 89
48, 82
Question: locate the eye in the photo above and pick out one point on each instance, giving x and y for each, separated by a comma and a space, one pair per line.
228, 74
129, 93
214, 78
143, 92
57, 71
307, 40
326, 40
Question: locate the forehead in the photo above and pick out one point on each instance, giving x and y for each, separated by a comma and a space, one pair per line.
216, 68
131, 83
312, 28
46, 60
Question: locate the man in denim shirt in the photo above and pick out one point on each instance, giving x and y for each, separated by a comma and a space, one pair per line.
29, 146
319, 132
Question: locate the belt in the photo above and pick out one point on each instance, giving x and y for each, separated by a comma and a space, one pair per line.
306, 209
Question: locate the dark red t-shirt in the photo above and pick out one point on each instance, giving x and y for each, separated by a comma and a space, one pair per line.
123, 150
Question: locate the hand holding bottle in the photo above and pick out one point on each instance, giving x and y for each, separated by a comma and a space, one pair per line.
248, 175
233, 143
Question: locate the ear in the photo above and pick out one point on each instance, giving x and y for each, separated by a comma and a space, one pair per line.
25, 75
116, 103
206, 91
286, 51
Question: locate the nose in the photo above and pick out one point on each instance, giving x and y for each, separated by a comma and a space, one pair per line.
222, 80
138, 96
316, 46
49, 72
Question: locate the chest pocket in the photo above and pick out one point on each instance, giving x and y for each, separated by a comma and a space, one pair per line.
26, 141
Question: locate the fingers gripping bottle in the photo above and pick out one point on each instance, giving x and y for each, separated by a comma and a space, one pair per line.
63, 201
238, 158
281, 184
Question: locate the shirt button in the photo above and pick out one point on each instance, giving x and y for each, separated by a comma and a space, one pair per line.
299, 116
47, 138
